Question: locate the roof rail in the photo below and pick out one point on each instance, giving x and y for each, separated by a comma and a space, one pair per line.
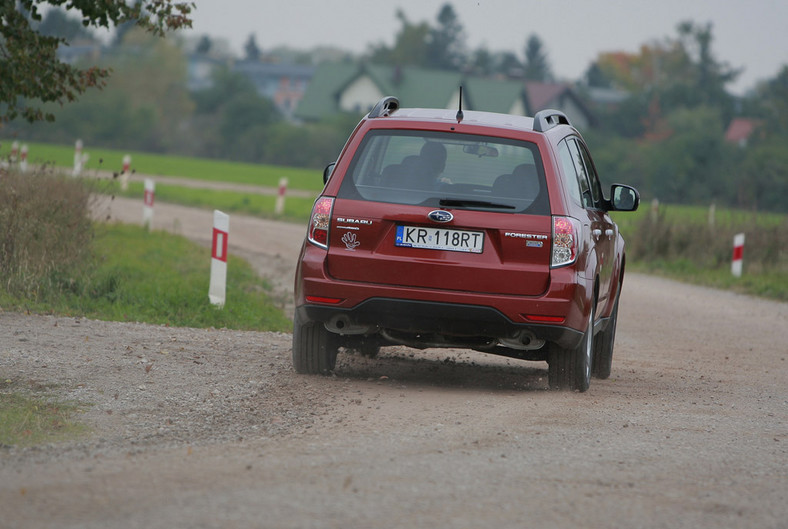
384, 107
545, 120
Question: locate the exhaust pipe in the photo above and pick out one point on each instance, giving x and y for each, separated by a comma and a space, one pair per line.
524, 340
342, 324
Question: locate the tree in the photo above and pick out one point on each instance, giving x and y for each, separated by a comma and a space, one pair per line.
769, 103
537, 68
32, 72
410, 45
204, 45
446, 42
57, 23
252, 51
709, 76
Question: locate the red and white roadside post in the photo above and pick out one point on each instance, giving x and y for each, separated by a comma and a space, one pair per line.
23, 159
147, 207
221, 233
280, 197
124, 175
738, 254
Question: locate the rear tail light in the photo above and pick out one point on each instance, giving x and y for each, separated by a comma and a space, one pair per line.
320, 222
566, 238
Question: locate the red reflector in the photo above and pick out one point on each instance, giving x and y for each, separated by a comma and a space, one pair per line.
543, 319
320, 299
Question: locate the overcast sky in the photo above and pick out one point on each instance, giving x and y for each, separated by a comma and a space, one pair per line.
751, 34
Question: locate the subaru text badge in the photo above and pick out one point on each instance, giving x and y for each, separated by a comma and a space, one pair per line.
439, 215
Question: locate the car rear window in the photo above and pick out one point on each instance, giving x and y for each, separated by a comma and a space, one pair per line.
448, 169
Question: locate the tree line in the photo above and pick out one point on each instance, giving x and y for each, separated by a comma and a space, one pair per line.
665, 134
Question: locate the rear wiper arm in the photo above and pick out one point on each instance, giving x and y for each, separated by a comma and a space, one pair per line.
473, 203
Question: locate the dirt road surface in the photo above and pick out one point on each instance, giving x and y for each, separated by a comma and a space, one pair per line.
212, 428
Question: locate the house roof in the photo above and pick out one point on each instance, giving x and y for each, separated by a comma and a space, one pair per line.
740, 129
540, 95
419, 87
321, 96
415, 87
492, 95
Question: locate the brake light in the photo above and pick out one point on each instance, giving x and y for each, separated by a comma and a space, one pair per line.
539, 318
320, 221
566, 238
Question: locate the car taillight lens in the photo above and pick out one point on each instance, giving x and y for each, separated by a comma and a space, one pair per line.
566, 238
320, 222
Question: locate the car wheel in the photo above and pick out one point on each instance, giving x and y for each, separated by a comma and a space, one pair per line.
314, 347
603, 347
571, 368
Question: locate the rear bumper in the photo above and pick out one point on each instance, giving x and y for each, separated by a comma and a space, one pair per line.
450, 312
449, 319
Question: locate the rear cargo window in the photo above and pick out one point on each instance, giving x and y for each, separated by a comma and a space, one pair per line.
448, 169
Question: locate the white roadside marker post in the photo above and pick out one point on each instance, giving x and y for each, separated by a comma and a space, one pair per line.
738, 254
221, 232
147, 207
79, 159
124, 175
23, 159
12, 158
280, 198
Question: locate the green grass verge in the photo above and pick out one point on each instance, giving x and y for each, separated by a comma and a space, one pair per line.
297, 209
162, 279
27, 420
174, 166
771, 284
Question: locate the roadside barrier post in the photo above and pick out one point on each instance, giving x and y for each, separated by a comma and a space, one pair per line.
124, 175
147, 207
738, 254
13, 157
221, 232
79, 158
712, 215
280, 198
23, 159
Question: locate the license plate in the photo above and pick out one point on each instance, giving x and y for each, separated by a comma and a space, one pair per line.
440, 239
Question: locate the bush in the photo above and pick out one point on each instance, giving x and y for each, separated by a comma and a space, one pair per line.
45, 232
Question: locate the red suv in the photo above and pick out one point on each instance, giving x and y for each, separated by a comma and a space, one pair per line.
460, 229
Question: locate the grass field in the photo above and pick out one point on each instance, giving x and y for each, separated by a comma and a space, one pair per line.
174, 166
162, 279
297, 209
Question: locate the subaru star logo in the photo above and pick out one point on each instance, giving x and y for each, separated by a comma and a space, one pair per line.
440, 216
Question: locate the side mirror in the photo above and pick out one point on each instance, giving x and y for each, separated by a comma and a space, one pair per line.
327, 172
624, 198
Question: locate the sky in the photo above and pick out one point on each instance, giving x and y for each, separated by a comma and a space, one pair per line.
748, 34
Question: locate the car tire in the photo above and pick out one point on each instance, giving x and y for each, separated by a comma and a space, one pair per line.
570, 369
314, 347
603, 347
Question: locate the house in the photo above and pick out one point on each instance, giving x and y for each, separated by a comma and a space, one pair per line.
354, 88
739, 131
559, 96
284, 84
200, 70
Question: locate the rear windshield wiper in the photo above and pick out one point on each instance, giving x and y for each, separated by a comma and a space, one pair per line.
473, 203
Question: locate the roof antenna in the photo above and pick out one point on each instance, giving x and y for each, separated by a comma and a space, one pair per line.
459, 112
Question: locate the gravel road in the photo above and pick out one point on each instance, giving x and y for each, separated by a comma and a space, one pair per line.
212, 428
